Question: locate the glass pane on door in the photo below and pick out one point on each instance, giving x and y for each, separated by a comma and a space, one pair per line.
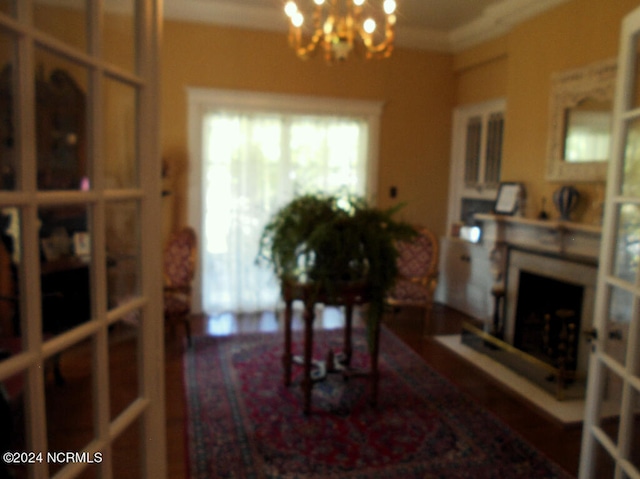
120, 112
126, 457
617, 326
61, 123
70, 403
635, 88
10, 274
8, 141
70, 400
119, 25
631, 179
604, 464
634, 435
64, 20
65, 268
123, 363
609, 420
123, 250
12, 423
627, 246
472, 153
492, 167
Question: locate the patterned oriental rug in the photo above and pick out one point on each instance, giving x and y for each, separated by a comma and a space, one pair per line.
244, 423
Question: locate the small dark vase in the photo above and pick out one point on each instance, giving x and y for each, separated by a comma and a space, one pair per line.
565, 200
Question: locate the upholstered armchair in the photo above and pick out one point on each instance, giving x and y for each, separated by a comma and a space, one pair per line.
179, 269
417, 274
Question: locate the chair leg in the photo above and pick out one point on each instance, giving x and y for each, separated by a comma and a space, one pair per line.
426, 321
187, 329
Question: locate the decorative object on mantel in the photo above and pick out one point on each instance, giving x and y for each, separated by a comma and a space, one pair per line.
510, 198
543, 215
565, 200
339, 26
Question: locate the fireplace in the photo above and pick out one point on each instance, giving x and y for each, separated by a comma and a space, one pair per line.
548, 318
545, 276
549, 302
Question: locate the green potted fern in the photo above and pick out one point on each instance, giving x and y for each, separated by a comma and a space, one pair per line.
331, 240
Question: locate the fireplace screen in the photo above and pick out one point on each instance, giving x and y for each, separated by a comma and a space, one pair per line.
547, 322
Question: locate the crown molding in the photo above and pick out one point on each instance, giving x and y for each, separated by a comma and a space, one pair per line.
423, 39
495, 20
498, 19
226, 13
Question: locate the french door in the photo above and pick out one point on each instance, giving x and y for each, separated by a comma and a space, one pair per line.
251, 153
611, 438
81, 364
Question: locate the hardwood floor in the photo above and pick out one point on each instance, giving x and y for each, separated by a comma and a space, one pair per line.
559, 443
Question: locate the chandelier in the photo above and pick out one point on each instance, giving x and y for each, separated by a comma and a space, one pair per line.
340, 26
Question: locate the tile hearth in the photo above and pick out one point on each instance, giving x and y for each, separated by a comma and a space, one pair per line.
565, 412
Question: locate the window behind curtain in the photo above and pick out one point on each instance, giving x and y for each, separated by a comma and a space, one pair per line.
253, 164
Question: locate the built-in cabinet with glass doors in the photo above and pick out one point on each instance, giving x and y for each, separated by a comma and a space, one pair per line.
465, 281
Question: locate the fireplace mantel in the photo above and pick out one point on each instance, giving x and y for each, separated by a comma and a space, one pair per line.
561, 238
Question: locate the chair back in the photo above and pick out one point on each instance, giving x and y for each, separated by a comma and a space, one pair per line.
180, 258
418, 258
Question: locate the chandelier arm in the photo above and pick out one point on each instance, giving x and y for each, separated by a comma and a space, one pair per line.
385, 47
295, 36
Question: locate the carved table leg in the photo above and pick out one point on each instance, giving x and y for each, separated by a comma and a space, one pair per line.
348, 349
307, 383
375, 346
286, 356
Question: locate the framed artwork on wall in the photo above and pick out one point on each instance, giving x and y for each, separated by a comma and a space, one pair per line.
508, 199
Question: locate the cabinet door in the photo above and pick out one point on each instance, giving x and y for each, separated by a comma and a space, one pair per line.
476, 159
454, 272
465, 278
478, 288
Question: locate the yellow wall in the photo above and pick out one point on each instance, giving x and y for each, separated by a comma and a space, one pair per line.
419, 90
481, 73
415, 86
519, 66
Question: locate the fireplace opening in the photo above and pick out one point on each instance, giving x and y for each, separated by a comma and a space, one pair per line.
547, 321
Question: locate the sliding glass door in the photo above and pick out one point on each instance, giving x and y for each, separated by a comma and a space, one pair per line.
255, 153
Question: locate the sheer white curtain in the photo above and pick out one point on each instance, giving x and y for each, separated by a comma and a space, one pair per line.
252, 164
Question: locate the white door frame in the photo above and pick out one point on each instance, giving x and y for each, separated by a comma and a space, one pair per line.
602, 362
148, 407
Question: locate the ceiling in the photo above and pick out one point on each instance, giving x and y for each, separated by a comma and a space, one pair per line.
441, 25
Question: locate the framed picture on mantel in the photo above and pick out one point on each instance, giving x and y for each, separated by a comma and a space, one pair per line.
508, 199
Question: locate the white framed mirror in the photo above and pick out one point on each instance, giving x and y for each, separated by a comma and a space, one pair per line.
580, 109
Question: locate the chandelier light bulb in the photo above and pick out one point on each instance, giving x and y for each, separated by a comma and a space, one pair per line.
369, 25
389, 6
297, 20
358, 3
290, 9
319, 2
